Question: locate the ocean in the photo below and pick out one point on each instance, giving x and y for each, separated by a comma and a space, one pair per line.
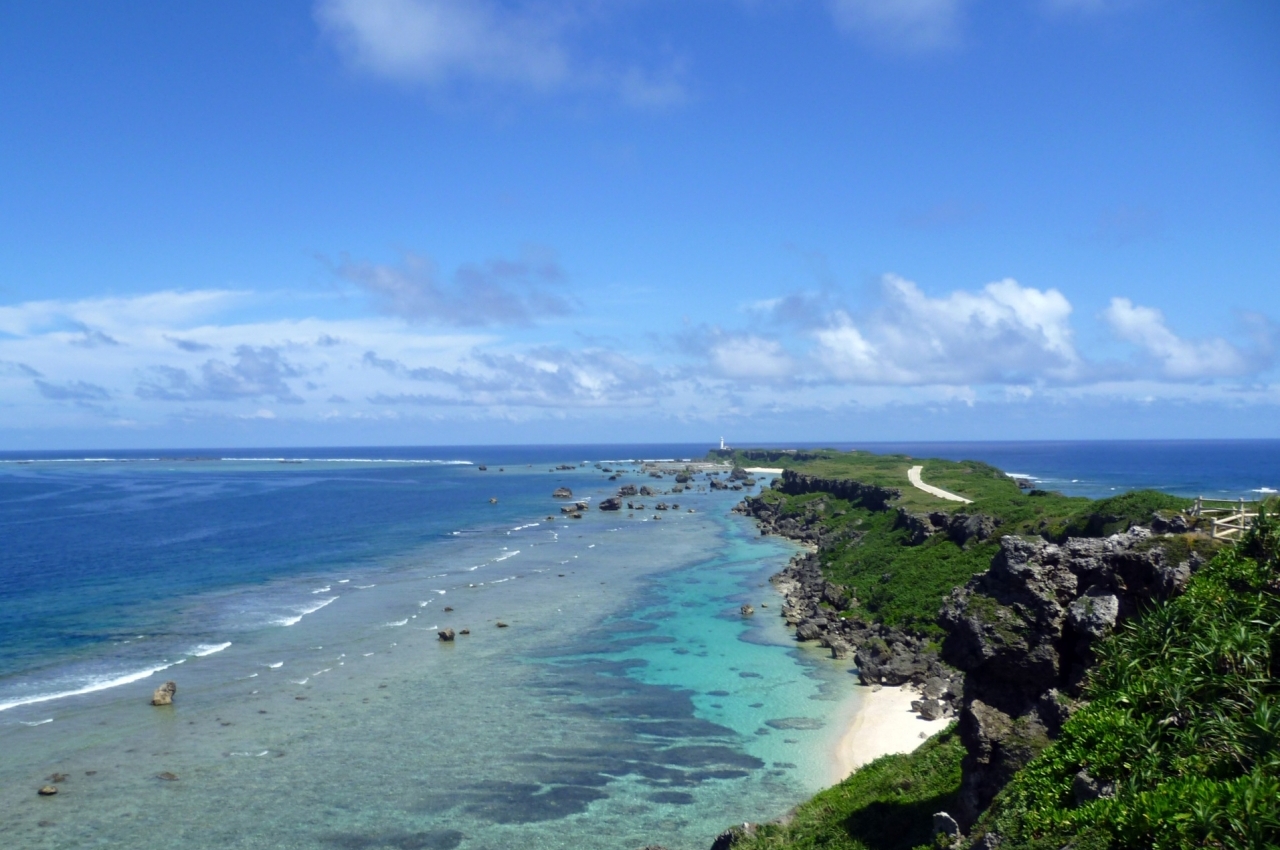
294, 596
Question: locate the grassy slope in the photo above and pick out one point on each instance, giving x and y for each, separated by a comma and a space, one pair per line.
904, 585
887, 805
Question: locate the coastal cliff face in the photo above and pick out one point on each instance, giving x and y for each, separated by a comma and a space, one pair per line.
872, 496
1023, 633
1019, 637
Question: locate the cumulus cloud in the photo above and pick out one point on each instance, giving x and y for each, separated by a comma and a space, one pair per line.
909, 26
522, 45
545, 376
1004, 333
256, 372
72, 391
499, 292
188, 345
8, 367
91, 338
1176, 358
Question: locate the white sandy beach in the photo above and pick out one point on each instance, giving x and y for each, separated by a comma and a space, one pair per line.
883, 723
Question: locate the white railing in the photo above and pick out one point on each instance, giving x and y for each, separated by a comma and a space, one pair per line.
1231, 520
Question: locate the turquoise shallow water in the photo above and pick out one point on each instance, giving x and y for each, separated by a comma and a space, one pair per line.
628, 702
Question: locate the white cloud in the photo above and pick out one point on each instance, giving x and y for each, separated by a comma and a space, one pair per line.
1176, 358
750, 357
437, 40
527, 46
1005, 333
910, 26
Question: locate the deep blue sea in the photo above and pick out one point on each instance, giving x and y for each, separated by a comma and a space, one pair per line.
294, 595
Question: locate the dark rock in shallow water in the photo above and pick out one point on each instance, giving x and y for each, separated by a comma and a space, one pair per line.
47, 790
747, 610
627, 490
611, 504
796, 723
167, 776
562, 493
164, 694
435, 839
680, 798
445, 634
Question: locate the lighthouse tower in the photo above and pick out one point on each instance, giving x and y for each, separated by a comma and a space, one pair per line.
722, 444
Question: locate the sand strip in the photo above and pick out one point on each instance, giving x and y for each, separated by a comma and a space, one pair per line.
883, 724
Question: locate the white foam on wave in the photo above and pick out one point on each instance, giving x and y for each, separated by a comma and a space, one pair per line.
93, 685
1025, 475
276, 665
441, 592
396, 624
592, 546
367, 654
302, 612
324, 589
424, 603
438, 575
252, 755
523, 527
35, 722
343, 580
363, 586
203, 649
300, 681
509, 555
1264, 490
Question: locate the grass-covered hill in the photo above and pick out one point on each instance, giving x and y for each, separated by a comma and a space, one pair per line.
899, 580
1177, 744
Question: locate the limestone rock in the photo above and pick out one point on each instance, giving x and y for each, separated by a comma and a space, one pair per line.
562, 493
945, 824
445, 634
47, 790
747, 610
164, 694
611, 504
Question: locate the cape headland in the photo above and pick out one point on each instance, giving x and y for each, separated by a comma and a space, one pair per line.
1012, 612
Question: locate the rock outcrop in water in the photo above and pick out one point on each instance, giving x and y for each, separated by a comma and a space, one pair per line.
164, 694
1024, 631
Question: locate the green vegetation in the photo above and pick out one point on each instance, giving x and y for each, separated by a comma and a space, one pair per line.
886, 805
903, 585
1183, 719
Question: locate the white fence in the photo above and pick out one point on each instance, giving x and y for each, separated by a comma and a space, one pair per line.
1230, 518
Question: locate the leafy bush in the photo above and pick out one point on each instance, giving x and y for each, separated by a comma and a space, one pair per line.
886, 805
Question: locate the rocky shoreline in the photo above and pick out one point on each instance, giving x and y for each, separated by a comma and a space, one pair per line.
1019, 636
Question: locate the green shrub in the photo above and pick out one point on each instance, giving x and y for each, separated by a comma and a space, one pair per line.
886, 805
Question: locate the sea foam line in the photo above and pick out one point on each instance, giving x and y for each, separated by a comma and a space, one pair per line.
92, 687
304, 611
203, 649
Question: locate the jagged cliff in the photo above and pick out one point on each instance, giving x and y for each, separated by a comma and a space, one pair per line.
1023, 632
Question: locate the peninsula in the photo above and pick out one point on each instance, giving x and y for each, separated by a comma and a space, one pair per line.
1107, 666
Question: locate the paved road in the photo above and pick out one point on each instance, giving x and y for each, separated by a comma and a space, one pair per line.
913, 475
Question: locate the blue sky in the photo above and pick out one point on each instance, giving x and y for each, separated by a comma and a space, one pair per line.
438, 221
